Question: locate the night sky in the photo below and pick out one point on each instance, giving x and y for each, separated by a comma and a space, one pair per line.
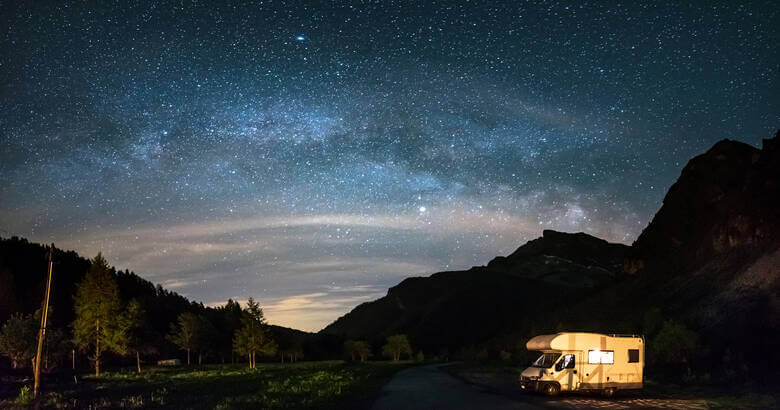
313, 155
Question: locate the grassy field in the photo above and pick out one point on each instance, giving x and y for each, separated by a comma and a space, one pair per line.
307, 385
503, 379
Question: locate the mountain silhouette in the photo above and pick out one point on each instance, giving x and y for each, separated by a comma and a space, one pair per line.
710, 258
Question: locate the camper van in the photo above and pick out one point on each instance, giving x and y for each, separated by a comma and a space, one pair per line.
585, 362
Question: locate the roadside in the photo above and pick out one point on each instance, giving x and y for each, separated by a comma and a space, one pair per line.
502, 379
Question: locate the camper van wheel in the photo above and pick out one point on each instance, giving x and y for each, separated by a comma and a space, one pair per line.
551, 389
609, 392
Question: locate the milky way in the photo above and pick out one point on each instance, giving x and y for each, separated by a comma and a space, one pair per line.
312, 155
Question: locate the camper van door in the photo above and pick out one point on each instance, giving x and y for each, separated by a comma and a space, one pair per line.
568, 366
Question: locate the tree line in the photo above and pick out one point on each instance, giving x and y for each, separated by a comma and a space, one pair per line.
395, 347
106, 324
115, 317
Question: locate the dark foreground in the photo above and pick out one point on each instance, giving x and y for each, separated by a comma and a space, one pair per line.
308, 385
341, 385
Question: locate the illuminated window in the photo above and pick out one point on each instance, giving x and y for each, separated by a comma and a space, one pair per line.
607, 357
601, 357
594, 357
633, 355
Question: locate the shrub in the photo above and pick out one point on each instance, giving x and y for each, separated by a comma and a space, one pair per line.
674, 345
25, 396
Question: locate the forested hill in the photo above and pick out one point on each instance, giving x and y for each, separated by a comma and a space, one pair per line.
23, 268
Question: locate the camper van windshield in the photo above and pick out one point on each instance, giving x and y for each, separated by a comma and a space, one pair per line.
546, 360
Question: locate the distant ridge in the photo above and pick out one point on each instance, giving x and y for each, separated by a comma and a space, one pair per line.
474, 305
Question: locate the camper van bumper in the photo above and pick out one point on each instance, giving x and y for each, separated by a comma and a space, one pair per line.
527, 383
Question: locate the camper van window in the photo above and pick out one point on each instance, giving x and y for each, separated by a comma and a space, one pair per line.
601, 357
566, 362
633, 355
546, 360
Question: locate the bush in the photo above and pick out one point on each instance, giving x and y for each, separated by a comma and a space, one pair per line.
25, 396
674, 345
420, 357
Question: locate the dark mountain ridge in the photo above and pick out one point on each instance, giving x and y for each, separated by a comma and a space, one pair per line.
725, 199
710, 258
433, 311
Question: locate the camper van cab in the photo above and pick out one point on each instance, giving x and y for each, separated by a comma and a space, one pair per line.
585, 362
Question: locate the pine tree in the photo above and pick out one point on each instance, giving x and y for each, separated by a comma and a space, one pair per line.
98, 325
253, 337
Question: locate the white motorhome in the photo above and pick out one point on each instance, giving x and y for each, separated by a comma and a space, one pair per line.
573, 361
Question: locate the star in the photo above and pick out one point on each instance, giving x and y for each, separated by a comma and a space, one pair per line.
440, 135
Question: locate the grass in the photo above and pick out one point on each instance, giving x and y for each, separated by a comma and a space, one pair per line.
503, 378
306, 385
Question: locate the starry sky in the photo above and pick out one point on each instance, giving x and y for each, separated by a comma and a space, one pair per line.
313, 154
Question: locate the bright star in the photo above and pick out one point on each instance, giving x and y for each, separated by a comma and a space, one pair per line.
300, 38
423, 209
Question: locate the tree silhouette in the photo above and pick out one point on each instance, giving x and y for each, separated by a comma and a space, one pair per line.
204, 339
137, 335
253, 337
17, 339
357, 349
674, 345
349, 349
229, 321
98, 323
185, 335
396, 346
363, 350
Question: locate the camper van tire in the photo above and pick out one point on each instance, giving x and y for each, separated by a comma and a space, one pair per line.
551, 389
609, 392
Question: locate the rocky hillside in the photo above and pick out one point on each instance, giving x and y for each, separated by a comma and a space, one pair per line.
568, 259
725, 201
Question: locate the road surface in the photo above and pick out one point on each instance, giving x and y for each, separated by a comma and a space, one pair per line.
429, 387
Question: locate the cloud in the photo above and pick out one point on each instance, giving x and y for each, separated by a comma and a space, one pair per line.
310, 269
312, 311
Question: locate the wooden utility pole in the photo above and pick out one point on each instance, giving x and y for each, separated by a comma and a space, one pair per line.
42, 331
